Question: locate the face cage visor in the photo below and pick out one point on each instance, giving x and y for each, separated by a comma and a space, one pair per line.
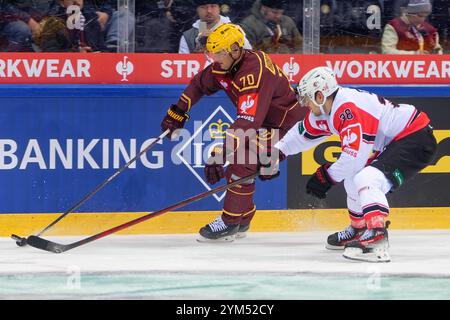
302, 98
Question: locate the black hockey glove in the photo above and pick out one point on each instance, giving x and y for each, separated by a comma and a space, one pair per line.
320, 182
269, 164
214, 170
174, 119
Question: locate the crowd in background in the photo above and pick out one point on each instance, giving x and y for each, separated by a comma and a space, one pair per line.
274, 26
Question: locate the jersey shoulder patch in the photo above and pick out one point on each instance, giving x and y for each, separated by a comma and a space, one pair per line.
345, 114
351, 139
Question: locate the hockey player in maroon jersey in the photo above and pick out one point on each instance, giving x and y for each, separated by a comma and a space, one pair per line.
263, 98
383, 144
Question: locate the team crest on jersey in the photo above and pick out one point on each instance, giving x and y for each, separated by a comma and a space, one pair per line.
351, 139
247, 104
207, 136
323, 125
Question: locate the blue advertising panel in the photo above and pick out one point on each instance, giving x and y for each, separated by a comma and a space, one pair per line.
58, 142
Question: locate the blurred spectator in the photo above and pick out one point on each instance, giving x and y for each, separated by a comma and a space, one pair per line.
18, 20
156, 28
91, 36
194, 39
109, 17
237, 10
53, 36
410, 33
440, 19
271, 31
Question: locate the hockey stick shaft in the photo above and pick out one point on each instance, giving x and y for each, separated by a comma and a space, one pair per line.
57, 248
104, 183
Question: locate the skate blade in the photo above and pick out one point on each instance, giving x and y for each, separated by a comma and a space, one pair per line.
220, 240
374, 256
241, 235
331, 247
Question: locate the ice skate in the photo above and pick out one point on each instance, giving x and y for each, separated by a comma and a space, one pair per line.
338, 240
218, 231
242, 232
372, 246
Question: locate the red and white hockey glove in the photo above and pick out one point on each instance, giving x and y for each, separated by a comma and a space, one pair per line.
320, 182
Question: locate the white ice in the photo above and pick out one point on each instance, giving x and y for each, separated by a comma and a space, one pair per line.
423, 254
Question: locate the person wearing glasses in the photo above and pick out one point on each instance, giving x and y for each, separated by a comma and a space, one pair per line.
411, 33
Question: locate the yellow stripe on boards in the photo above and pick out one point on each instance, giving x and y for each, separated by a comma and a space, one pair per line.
192, 221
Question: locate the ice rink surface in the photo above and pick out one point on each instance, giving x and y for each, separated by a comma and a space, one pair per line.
262, 266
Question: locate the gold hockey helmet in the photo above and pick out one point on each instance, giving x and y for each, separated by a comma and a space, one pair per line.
223, 37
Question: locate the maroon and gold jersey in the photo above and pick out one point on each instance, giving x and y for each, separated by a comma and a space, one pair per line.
257, 87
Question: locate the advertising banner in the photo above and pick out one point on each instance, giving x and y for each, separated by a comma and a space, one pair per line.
58, 143
180, 68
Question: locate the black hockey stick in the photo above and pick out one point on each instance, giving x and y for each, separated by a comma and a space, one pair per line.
47, 245
20, 241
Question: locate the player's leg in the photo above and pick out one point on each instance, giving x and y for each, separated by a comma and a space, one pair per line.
400, 161
338, 240
404, 158
238, 209
372, 185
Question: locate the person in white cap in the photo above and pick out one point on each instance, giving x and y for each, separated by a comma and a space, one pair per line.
383, 144
411, 33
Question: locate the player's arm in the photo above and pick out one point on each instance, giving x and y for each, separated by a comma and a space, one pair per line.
202, 84
357, 133
302, 136
356, 142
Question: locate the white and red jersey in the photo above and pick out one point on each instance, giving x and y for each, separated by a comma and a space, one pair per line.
365, 123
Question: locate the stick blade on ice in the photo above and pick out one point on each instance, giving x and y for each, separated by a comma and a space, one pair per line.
46, 245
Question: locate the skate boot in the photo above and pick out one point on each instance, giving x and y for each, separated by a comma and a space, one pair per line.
218, 231
372, 246
242, 232
338, 240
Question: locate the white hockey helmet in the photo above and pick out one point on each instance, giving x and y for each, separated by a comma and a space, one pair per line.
318, 79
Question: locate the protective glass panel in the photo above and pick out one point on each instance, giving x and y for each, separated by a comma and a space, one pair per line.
66, 25
377, 26
180, 25
275, 26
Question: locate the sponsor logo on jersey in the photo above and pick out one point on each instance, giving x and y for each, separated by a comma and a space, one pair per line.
248, 104
351, 139
248, 118
323, 125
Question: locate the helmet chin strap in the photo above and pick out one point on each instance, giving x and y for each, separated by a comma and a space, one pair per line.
235, 60
322, 110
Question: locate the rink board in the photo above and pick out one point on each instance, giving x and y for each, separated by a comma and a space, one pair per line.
191, 221
58, 142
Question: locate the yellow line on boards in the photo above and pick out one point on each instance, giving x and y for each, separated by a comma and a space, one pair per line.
191, 221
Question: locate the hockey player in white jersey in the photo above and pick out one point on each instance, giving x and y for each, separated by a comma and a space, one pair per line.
383, 144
